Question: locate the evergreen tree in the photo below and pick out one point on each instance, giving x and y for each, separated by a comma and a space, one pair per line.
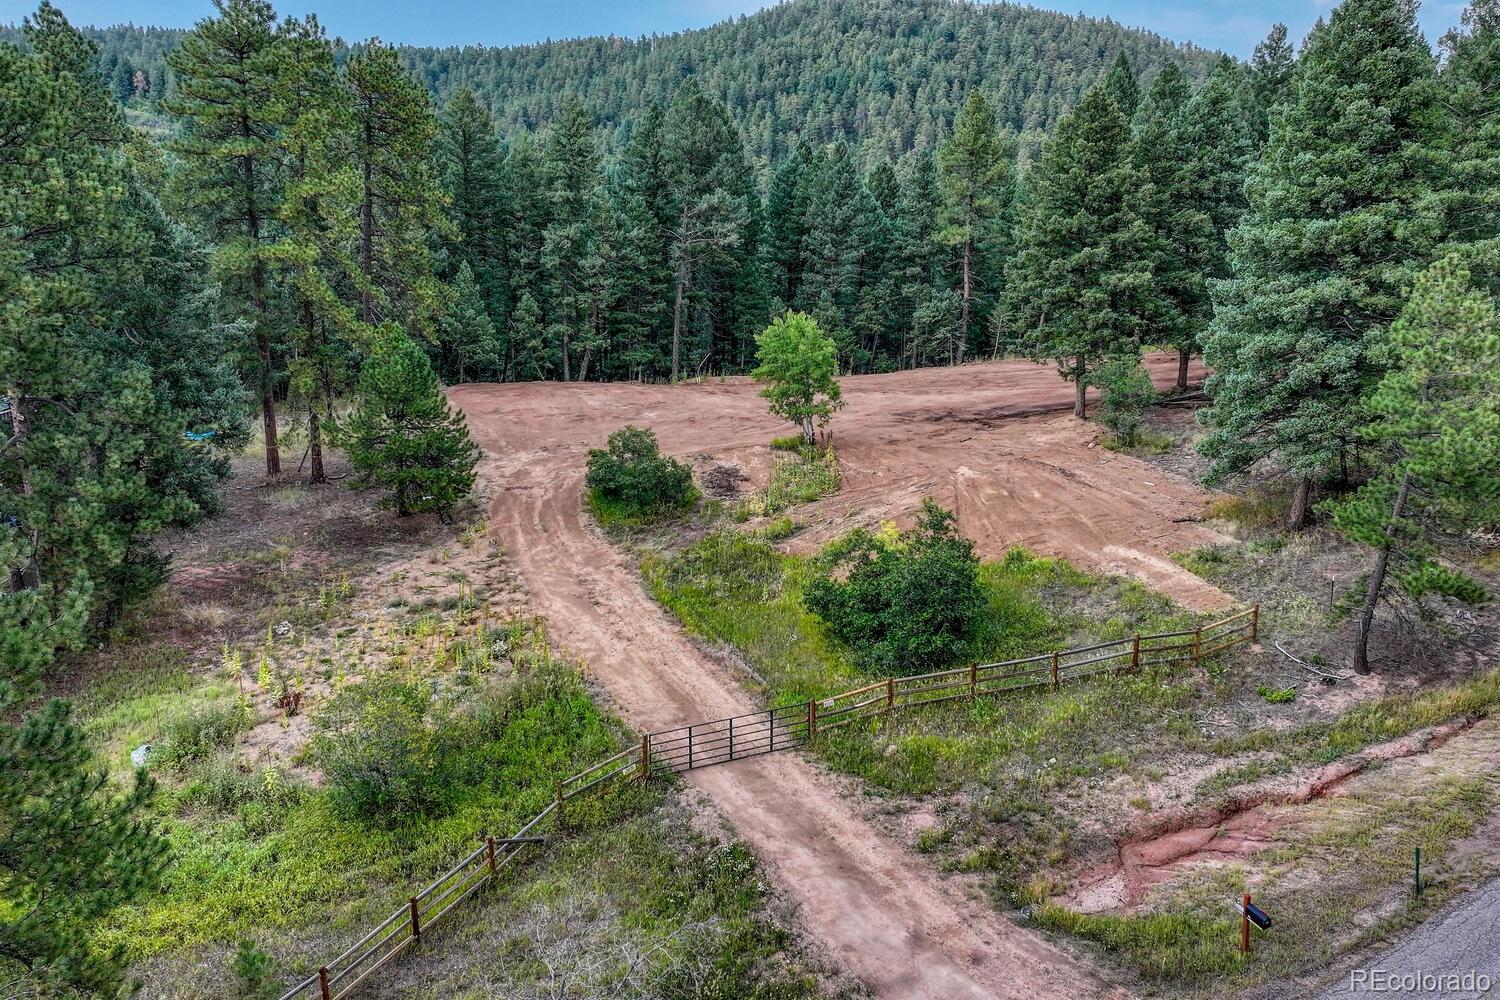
1121, 85
524, 201
975, 174
469, 348
786, 211
402, 435
401, 203
706, 162
1434, 423
1469, 203
573, 179
841, 250
1271, 68
1080, 286
471, 161
1166, 155
1332, 234
313, 256
1216, 131
916, 249
229, 171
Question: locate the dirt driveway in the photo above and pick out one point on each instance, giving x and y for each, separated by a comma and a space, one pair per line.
995, 441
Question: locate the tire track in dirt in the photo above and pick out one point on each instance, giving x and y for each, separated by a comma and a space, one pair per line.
881, 913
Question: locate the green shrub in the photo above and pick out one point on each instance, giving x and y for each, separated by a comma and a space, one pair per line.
906, 605
255, 972
200, 733
632, 479
1125, 389
792, 442
390, 752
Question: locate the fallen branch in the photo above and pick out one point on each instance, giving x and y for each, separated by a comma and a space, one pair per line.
1307, 666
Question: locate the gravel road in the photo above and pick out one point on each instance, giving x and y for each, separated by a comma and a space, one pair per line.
1463, 940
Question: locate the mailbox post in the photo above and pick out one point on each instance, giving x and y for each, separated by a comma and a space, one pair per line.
1250, 914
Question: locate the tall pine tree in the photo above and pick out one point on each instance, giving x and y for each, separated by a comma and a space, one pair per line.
1080, 287
1332, 235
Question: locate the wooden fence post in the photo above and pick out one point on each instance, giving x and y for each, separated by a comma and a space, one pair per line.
690, 748
1055, 656
812, 717
1197, 646
1255, 623
645, 756
490, 844
323, 982
973, 681
890, 694
731, 737
561, 819
416, 920
1135, 653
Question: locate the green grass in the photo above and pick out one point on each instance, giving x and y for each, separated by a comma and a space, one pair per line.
798, 476
290, 858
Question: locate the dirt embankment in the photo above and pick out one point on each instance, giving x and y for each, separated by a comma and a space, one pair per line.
950, 433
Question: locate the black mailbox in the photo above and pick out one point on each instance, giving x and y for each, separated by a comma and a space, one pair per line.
1255, 915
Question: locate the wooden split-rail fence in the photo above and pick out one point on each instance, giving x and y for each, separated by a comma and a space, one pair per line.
704, 744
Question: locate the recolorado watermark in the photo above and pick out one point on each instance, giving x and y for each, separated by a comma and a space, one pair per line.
1462, 984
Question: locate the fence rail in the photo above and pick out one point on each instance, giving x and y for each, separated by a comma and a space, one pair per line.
704, 744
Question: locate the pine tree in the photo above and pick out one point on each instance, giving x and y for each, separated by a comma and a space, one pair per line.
976, 176
1271, 68
1166, 155
1080, 286
471, 164
916, 248
1332, 234
230, 175
571, 164
1469, 203
88, 456
1434, 423
1121, 85
706, 162
524, 201
786, 215
402, 435
401, 202
313, 258
469, 347
842, 250
1217, 131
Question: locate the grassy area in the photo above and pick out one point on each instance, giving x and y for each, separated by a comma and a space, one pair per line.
266, 847
799, 474
1012, 756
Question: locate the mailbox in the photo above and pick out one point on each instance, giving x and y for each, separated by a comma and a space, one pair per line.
1254, 914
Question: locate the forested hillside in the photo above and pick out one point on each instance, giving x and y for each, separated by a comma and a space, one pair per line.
885, 74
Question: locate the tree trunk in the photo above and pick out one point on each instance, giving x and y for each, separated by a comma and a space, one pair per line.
1296, 518
27, 576
677, 309
968, 294
567, 377
583, 366
1080, 388
258, 291
1377, 580
315, 447
1183, 356
808, 433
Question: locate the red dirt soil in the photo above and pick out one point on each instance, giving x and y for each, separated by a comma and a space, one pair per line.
995, 441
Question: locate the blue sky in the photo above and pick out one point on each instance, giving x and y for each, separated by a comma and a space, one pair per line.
1232, 25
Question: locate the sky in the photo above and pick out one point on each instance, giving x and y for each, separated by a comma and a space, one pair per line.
1233, 26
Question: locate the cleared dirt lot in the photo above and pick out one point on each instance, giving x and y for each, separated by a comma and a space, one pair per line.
995, 442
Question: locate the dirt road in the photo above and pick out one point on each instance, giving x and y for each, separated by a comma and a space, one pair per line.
985, 438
